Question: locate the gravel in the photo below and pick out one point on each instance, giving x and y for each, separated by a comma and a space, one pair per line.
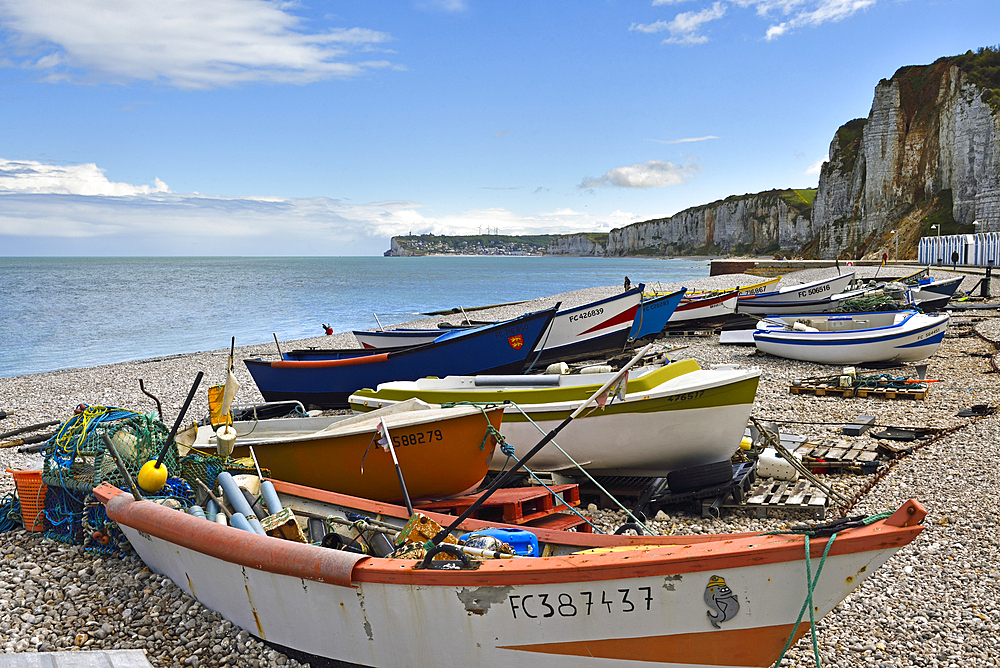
935, 603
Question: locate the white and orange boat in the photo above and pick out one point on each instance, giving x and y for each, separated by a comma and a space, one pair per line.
588, 600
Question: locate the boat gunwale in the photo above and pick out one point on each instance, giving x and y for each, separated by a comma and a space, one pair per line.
311, 562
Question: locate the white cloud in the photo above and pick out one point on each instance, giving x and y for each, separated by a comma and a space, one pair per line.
686, 140
685, 26
183, 43
815, 168
652, 174
27, 176
76, 210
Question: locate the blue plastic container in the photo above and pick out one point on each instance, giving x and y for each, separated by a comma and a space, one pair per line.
521, 541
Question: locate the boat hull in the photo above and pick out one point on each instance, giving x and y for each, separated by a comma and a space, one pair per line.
347, 459
328, 383
704, 313
587, 331
812, 297
915, 338
730, 600
654, 313
692, 417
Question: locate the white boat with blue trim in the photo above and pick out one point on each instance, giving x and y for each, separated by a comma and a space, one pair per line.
813, 297
852, 338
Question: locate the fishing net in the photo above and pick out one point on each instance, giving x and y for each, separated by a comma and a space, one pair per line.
869, 304
77, 458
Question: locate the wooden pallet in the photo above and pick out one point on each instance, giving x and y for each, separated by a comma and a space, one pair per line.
859, 392
512, 505
783, 495
838, 455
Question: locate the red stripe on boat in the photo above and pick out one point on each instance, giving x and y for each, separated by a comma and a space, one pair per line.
624, 316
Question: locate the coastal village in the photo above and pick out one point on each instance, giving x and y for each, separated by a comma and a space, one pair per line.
788, 462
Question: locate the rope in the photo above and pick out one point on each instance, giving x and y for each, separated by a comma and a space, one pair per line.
581, 469
810, 588
10, 513
805, 472
73, 433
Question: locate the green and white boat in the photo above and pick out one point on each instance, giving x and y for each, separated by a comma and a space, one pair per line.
672, 417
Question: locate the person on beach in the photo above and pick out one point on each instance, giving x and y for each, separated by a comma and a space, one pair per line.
628, 284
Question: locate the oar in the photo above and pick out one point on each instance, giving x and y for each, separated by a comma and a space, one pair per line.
380, 327
180, 418
30, 427
502, 480
399, 471
276, 345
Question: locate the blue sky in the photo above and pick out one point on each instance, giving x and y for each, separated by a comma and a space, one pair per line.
245, 127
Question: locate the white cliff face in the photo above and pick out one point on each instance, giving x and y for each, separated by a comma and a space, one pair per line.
739, 224
397, 249
911, 149
576, 245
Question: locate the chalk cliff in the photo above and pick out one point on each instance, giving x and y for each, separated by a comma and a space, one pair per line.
930, 144
761, 223
928, 154
578, 245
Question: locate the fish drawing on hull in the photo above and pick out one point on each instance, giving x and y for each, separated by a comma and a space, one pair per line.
721, 601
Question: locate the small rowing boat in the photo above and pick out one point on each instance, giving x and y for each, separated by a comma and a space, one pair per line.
852, 338
589, 600
654, 312
340, 453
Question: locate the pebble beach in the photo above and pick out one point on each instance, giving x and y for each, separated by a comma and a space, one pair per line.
935, 603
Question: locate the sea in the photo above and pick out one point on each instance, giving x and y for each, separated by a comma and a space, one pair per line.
72, 312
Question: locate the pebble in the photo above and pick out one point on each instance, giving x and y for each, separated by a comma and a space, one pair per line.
936, 603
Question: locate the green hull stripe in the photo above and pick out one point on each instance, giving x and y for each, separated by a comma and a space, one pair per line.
741, 392
549, 395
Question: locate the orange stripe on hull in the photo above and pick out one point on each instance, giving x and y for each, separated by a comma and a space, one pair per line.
322, 364
758, 646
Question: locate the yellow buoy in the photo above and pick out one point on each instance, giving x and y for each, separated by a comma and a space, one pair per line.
152, 477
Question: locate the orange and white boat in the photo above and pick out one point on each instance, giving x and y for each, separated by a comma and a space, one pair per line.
441, 451
588, 600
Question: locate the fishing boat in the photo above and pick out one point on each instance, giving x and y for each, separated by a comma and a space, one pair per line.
812, 297
672, 417
750, 289
852, 338
932, 294
581, 332
703, 313
396, 338
326, 378
340, 453
654, 312
590, 600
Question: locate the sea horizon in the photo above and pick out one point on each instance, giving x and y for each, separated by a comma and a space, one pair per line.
62, 312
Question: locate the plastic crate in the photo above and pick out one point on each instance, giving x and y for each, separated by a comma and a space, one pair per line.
31, 493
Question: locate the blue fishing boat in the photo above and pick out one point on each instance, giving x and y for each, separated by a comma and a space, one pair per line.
654, 312
326, 378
